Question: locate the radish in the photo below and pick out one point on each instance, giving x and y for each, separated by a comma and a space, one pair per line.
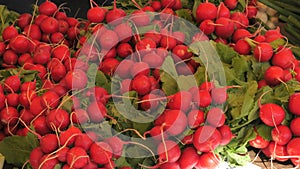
61, 15
49, 143
226, 134
231, 4
294, 126
12, 84
40, 125
277, 151
90, 165
148, 104
140, 18
124, 32
281, 135
219, 95
2, 100
116, 145
26, 116
47, 161
112, 16
112, 53
294, 100
283, 58
207, 86
202, 99
188, 158
58, 119
207, 26
101, 152
271, 114
224, 27
10, 57
140, 68
141, 84
12, 99
47, 8
240, 34
208, 160
98, 94
181, 52
123, 69
24, 20
49, 25
223, 11
180, 101
260, 38
33, 31
168, 151
19, 44
9, 32
175, 122
2, 47
274, 75
240, 20
79, 116
148, 9
168, 3
263, 52
9, 115
84, 141
124, 50
293, 150
61, 52
153, 60
96, 14
179, 36
76, 79
185, 69
108, 39
63, 26
287, 75
125, 86
97, 111
68, 136
155, 36
157, 133
56, 37
215, 117
77, 157
273, 34
168, 165
251, 11
206, 138
206, 10
242, 47
35, 155
73, 33
195, 118
145, 45
62, 154
50, 100
168, 42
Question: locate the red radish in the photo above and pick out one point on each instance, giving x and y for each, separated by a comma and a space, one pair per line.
168, 3
124, 50
96, 14
157, 133
77, 157
271, 114
116, 145
148, 9
41, 56
153, 60
62, 154
148, 104
100, 152
297, 73
219, 95
72, 21
90, 165
58, 119
259, 142
273, 34
56, 37
36, 106
62, 52
251, 11
2, 100
277, 151
35, 155
63, 26
98, 94
47, 8
141, 84
294, 126
260, 38
68, 136
73, 33
168, 42
195, 118
61, 16
223, 11
40, 125
123, 69
206, 10
140, 18
216, 117
231, 4
226, 134
181, 52
97, 111
155, 36
188, 158
281, 135
124, 32
145, 45
283, 58
180, 101
168, 150
179, 36
263, 52
47, 161
2, 48
208, 160
112, 53
156, 5
49, 143
240, 20
240, 34
206, 138
294, 101
242, 47
168, 165
24, 20
84, 141
9, 115
19, 44
175, 122
203, 98
140, 68
79, 116
274, 75
9, 33
287, 75
76, 79
12, 99
108, 39
207, 26
113, 16
293, 150
224, 27
10, 57
49, 25
207, 86
33, 31
25, 98
26, 116
12, 84
185, 69
25, 59
125, 86
50, 100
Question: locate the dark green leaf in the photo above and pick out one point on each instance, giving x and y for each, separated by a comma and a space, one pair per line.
225, 52
17, 149
185, 14
67, 103
196, 4
186, 82
104, 128
264, 131
276, 43
169, 84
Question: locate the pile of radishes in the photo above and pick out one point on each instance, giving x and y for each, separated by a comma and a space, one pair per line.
82, 70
